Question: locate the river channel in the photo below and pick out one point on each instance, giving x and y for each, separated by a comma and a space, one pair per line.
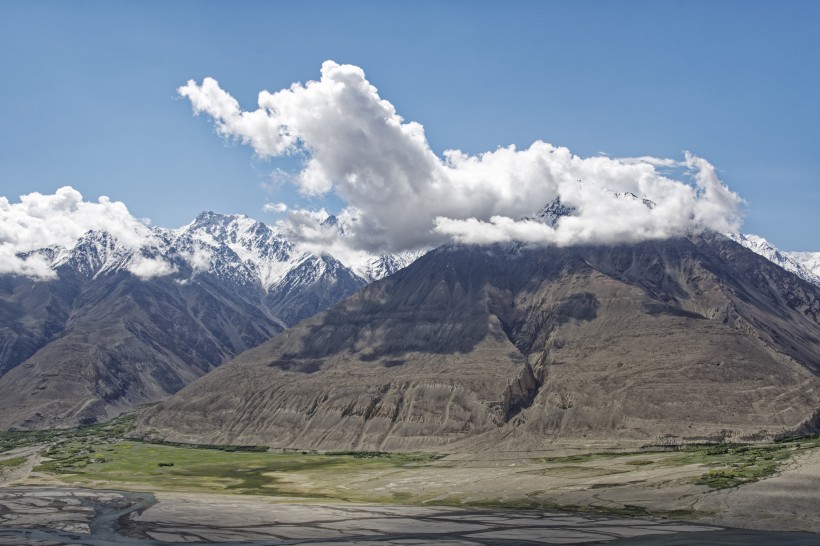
58, 516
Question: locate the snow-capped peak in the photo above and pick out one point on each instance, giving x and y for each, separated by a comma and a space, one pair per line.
232, 247
805, 265
236, 243
808, 260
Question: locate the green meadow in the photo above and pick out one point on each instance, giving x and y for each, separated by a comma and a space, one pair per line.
211, 469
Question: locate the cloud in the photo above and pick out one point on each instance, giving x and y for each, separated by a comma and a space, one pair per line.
35, 266
39, 221
199, 259
405, 196
275, 207
147, 268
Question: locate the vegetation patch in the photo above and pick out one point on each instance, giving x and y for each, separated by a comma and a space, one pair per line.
99, 456
531, 502
640, 462
220, 447
585, 457
730, 465
211, 469
407, 457
11, 463
101, 432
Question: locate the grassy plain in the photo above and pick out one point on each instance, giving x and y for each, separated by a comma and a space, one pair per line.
666, 482
214, 470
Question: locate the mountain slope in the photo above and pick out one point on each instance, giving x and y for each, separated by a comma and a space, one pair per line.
805, 265
810, 261
119, 327
127, 342
677, 340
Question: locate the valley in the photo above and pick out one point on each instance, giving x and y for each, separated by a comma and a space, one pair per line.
393, 273
480, 395
57, 484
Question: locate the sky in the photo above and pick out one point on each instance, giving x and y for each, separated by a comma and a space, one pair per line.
90, 99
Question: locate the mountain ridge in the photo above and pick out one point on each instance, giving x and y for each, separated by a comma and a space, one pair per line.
234, 282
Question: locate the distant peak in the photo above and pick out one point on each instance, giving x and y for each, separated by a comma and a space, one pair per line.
210, 217
207, 215
213, 222
552, 212
629, 195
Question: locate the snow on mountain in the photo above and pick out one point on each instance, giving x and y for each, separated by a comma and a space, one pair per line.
370, 267
382, 266
805, 265
232, 248
271, 257
246, 252
552, 212
808, 260
629, 195
237, 247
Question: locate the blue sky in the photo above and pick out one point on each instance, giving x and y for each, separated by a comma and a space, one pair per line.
89, 91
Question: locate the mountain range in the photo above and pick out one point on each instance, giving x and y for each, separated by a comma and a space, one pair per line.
120, 326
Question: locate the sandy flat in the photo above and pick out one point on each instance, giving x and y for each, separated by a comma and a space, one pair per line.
789, 501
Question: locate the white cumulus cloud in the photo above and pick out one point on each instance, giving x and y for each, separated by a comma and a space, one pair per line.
275, 207
405, 196
147, 268
41, 220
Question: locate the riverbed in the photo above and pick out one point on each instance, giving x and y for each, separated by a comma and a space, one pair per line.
52, 516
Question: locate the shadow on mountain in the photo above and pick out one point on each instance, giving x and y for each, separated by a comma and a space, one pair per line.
664, 341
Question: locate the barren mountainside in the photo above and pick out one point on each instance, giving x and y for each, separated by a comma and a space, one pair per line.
474, 347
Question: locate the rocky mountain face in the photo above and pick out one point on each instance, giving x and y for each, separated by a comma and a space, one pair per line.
120, 327
681, 340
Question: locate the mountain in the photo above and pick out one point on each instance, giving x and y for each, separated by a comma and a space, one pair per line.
680, 340
120, 327
551, 213
805, 265
124, 324
810, 261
